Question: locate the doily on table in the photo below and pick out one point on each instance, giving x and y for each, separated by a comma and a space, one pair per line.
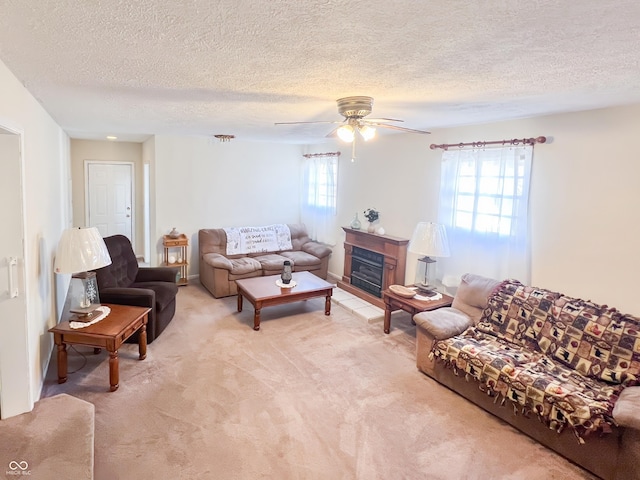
424, 298
103, 311
291, 284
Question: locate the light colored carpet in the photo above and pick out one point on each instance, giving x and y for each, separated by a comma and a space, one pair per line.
54, 441
309, 396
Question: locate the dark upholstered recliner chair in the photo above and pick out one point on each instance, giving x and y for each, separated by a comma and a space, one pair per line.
124, 283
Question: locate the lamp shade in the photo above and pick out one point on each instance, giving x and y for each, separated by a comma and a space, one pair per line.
367, 132
346, 133
81, 250
429, 239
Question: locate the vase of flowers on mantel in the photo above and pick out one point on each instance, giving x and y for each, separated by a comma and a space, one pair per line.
372, 216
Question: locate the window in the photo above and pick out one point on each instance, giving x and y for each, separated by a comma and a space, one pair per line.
319, 196
487, 193
484, 206
321, 186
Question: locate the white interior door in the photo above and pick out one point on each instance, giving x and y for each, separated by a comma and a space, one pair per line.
14, 372
110, 193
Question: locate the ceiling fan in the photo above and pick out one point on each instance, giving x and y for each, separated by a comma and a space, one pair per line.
354, 110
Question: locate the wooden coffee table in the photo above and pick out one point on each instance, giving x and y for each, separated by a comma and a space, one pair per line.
393, 302
109, 333
263, 292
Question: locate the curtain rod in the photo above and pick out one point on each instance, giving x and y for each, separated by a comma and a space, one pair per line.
515, 141
328, 154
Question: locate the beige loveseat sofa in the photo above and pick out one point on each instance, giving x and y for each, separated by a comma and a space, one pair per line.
562, 370
219, 271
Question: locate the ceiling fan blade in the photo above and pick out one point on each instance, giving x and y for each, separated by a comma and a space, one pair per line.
332, 133
299, 123
402, 129
354, 109
381, 120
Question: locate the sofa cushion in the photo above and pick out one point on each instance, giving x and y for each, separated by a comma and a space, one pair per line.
316, 249
271, 261
217, 260
212, 240
244, 265
472, 295
299, 236
443, 322
301, 259
627, 407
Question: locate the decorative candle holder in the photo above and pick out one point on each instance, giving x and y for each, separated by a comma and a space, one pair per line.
286, 272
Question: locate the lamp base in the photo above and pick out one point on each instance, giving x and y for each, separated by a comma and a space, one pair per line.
426, 290
425, 275
84, 314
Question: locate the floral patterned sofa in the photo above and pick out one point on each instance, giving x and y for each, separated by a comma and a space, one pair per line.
563, 370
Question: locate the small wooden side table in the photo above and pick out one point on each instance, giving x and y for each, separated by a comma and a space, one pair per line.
393, 302
109, 333
180, 244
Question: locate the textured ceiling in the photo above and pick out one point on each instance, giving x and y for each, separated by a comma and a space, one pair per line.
196, 67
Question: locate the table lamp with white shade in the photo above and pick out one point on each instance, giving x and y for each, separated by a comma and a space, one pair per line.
430, 240
81, 250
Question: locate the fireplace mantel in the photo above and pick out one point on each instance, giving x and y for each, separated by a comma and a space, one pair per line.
394, 250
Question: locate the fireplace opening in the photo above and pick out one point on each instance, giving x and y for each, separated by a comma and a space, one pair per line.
366, 270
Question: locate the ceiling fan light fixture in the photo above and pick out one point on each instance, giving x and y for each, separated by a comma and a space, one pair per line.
367, 132
356, 107
354, 110
346, 133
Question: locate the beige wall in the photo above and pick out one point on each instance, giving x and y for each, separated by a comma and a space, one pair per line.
585, 219
392, 174
202, 183
584, 199
114, 152
585, 215
46, 190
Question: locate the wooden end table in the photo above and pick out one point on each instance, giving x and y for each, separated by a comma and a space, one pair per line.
393, 302
109, 333
263, 292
